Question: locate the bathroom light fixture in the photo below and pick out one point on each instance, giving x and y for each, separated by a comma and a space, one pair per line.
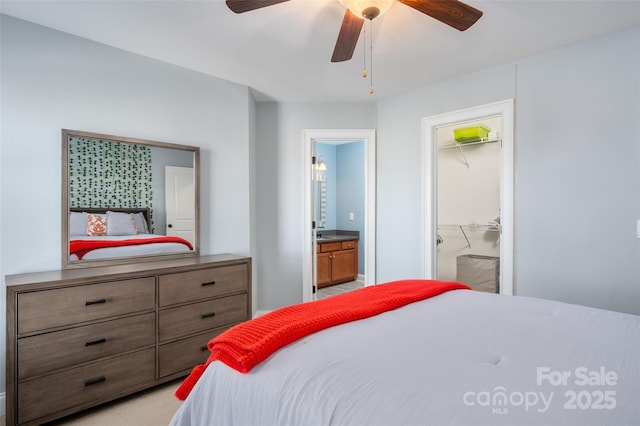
322, 165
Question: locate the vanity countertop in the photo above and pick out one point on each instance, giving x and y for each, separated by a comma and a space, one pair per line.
337, 236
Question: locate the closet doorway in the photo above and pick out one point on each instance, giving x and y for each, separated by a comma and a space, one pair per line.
311, 138
468, 208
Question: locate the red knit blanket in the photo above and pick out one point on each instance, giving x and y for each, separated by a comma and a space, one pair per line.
244, 346
82, 247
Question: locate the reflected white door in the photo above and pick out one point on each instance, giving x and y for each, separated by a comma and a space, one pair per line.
180, 202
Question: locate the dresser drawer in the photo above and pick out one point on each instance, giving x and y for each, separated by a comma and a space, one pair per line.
183, 355
60, 391
53, 351
174, 323
47, 309
202, 284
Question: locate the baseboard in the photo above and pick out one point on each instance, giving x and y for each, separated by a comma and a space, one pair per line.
258, 313
3, 404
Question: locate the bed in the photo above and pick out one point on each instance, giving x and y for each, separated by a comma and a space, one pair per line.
459, 357
100, 233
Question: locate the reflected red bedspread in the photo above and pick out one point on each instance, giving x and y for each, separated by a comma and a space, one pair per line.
82, 247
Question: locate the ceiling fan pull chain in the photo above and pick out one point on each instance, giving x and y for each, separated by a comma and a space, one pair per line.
371, 58
364, 49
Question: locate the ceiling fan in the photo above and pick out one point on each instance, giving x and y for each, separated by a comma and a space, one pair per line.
451, 12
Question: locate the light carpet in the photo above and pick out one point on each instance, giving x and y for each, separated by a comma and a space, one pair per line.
153, 407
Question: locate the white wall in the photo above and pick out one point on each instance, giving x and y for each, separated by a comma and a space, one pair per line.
578, 148
52, 80
577, 170
280, 189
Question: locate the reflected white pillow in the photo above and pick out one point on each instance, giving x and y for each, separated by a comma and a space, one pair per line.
141, 223
77, 223
120, 224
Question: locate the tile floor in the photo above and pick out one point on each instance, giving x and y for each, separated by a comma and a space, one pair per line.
339, 288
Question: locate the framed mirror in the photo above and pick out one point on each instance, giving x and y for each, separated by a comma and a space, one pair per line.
127, 199
320, 192
321, 204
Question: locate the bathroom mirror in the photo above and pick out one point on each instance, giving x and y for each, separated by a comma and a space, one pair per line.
127, 199
321, 195
321, 203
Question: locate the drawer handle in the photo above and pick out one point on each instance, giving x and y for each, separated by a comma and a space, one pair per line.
95, 342
95, 302
95, 381
208, 315
208, 284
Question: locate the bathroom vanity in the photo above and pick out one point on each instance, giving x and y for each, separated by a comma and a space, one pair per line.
337, 257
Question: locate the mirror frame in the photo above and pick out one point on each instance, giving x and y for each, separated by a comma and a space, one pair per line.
66, 262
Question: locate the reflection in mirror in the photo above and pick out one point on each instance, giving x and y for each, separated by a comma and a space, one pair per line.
321, 194
125, 198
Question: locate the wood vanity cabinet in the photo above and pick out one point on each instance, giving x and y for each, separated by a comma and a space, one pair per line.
337, 262
79, 338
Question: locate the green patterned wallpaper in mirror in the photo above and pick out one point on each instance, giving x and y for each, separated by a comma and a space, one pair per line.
105, 173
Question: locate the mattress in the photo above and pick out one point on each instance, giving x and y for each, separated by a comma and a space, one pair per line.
460, 358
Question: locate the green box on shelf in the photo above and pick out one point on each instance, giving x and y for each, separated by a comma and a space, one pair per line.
470, 134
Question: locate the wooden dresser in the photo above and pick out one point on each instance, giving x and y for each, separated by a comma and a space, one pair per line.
79, 338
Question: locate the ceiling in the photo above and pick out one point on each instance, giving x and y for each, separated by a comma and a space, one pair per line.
283, 51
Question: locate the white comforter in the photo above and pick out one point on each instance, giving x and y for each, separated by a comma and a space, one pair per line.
461, 358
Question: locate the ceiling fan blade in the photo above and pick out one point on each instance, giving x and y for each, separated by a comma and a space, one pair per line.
347, 37
451, 12
241, 6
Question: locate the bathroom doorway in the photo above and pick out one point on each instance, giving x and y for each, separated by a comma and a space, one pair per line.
339, 216
358, 218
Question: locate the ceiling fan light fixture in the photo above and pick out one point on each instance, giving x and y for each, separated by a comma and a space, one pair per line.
368, 9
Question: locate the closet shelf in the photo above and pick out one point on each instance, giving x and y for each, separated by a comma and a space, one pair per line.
455, 144
472, 226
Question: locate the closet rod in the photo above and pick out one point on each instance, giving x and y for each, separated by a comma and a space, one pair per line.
460, 145
473, 226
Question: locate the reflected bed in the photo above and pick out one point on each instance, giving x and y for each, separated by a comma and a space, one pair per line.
96, 234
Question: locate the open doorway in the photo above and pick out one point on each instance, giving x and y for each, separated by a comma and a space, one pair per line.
469, 166
339, 216
331, 249
468, 197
